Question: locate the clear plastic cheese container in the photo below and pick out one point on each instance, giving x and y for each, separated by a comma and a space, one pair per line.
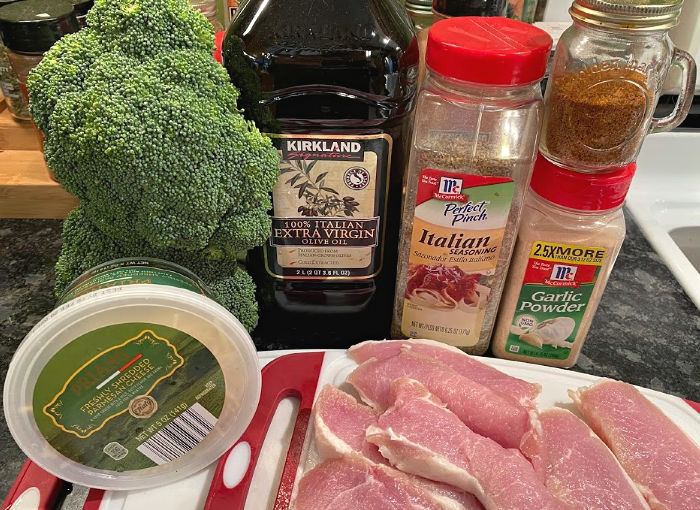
136, 379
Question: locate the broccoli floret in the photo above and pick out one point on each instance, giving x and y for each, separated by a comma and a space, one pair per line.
85, 246
151, 141
144, 28
142, 125
237, 293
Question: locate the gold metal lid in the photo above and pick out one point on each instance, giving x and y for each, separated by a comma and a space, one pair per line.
636, 15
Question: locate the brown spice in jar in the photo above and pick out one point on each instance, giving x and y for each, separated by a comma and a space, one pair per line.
596, 117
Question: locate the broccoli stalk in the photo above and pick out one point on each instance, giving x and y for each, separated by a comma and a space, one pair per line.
141, 124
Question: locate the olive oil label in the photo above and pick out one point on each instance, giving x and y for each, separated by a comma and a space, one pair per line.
133, 272
458, 229
328, 206
557, 287
129, 396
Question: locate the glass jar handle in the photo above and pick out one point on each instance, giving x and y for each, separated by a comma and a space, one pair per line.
683, 60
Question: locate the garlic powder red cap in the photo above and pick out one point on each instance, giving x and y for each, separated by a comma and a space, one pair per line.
582, 191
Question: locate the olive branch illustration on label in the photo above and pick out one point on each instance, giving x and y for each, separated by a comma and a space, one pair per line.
318, 199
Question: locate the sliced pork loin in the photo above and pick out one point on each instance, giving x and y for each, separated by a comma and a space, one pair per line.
354, 483
340, 424
577, 467
658, 456
522, 391
483, 410
419, 435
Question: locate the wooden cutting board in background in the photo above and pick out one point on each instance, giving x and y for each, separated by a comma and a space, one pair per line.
26, 190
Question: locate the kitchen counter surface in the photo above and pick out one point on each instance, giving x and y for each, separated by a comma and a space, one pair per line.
646, 331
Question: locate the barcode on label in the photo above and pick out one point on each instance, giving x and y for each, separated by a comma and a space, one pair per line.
177, 438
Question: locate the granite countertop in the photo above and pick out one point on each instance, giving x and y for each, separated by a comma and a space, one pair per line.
646, 331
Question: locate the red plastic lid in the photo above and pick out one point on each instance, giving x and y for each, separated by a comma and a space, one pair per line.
494, 51
218, 41
581, 191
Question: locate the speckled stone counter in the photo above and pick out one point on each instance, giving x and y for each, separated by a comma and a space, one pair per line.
646, 331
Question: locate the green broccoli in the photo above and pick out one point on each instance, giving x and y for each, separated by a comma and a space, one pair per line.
141, 124
85, 246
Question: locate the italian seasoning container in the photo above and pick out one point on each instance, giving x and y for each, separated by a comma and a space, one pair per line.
608, 71
474, 145
570, 235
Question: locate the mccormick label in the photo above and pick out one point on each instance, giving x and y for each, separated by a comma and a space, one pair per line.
129, 396
557, 287
328, 206
458, 227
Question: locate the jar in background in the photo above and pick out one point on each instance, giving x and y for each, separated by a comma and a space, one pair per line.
523, 10
208, 8
9, 84
29, 28
570, 235
607, 75
421, 13
443, 9
81, 10
474, 145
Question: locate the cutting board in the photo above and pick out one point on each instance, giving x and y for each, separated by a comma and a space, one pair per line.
261, 470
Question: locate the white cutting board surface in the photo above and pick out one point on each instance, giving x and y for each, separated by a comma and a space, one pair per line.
190, 493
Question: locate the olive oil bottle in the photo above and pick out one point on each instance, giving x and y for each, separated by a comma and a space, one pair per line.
333, 83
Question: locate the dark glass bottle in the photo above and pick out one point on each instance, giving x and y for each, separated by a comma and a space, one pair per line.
452, 8
333, 83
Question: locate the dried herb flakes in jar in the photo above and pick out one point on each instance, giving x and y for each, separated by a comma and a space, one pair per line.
595, 117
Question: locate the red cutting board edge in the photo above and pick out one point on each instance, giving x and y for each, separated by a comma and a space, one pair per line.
337, 366
189, 493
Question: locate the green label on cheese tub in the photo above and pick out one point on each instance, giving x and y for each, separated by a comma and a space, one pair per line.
129, 396
133, 272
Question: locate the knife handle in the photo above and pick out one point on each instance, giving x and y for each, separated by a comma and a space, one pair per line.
294, 375
34, 488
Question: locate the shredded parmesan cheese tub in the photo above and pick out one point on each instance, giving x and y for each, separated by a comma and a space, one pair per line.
136, 379
570, 234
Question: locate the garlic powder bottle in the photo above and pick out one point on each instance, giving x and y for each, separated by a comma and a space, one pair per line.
570, 234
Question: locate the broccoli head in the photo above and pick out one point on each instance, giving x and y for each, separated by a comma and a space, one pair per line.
145, 28
141, 124
85, 246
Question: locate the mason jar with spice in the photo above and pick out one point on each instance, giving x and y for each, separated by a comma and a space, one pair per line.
29, 28
474, 145
608, 71
570, 235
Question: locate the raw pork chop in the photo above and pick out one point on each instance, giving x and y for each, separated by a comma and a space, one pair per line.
419, 435
522, 391
658, 456
354, 483
577, 467
340, 423
480, 408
